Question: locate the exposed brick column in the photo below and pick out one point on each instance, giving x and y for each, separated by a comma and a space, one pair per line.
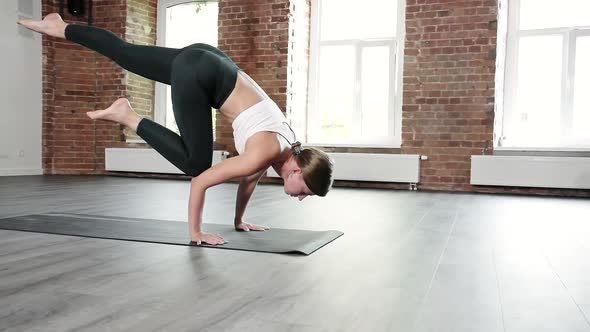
255, 34
448, 83
77, 80
72, 85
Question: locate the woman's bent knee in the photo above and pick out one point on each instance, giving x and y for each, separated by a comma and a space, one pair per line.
196, 168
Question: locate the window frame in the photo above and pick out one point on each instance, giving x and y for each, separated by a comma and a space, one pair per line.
396, 44
510, 82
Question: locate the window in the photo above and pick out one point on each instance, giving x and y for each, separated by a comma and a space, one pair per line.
547, 77
181, 23
355, 61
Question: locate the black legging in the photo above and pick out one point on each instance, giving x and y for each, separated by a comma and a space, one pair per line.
201, 77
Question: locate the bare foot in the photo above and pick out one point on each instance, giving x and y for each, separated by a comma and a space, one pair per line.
120, 111
51, 25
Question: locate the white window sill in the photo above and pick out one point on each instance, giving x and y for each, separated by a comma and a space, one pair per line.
367, 146
524, 149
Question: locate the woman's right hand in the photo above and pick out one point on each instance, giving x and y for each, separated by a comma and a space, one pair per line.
200, 237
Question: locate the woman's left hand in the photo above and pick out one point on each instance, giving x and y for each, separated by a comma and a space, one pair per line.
242, 226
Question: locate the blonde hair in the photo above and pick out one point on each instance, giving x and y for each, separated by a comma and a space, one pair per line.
316, 168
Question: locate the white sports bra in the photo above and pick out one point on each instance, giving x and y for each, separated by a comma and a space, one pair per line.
263, 116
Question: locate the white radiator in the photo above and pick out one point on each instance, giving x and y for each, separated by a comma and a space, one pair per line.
145, 160
529, 171
20, 171
373, 167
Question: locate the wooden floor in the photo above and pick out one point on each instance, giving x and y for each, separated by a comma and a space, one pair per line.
408, 261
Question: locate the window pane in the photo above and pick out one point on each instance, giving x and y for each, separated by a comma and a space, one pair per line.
336, 91
348, 19
536, 113
581, 112
538, 14
189, 23
375, 89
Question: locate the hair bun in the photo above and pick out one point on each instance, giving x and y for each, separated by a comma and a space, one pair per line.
296, 147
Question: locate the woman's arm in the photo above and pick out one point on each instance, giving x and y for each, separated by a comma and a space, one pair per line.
245, 190
246, 164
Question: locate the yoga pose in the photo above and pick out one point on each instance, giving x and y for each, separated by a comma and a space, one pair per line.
201, 77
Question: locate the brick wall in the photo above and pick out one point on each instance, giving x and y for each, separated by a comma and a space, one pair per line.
448, 87
256, 35
448, 82
73, 85
77, 80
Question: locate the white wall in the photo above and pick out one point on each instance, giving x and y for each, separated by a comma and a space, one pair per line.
20, 90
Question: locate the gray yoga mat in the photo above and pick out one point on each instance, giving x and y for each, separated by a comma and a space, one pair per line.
275, 240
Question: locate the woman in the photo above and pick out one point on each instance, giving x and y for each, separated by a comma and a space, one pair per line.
201, 77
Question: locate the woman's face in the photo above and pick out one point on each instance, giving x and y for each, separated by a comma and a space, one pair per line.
295, 186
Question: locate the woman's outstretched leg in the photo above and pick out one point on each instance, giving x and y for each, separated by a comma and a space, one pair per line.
192, 72
152, 62
169, 144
